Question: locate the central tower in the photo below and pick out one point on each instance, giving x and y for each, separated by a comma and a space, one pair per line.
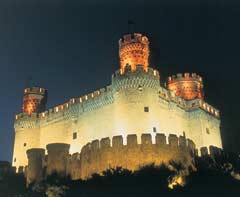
133, 51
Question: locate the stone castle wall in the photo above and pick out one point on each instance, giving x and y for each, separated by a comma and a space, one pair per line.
118, 109
98, 156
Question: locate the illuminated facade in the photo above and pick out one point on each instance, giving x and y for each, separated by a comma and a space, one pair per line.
134, 103
133, 51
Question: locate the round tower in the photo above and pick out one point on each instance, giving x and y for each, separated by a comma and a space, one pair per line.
57, 160
34, 100
36, 158
133, 51
135, 88
187, 86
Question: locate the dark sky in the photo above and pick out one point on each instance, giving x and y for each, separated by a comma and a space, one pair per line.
71, 48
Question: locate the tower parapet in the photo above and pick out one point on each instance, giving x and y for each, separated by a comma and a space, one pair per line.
138, 78
133, 51
24, 120
34, 100
187, 86
187, 105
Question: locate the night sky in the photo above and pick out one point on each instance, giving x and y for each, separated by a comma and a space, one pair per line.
71, 48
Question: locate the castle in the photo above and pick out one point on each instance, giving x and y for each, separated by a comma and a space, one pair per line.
146, 121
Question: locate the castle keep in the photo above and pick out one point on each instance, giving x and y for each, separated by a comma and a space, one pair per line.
146, 122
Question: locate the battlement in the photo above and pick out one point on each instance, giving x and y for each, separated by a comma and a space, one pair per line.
99, 155
187, 105
139, 69
146, 139
138, 78
184, 77
34, 100
210, 109
133, 38
35, 90
187, 86
129, 79
88, 102
25, 120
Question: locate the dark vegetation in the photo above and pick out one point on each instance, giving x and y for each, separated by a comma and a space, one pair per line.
213, 177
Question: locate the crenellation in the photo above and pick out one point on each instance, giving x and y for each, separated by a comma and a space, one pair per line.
140, 71
132, 140
204, 151
194, 75
179, 75
161, 139
184, 76
26, 121
208, 108
67, 110
146, 139
182, 142
133, 79
105, 142
117, 141
214, 151
99, 155
187, 86
37, 90
173, 140
191, 145
95, 145
187, 105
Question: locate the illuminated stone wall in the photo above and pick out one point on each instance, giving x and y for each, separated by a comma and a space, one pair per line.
134, 103
133, 51
34, 100
204, 129
98, 156
187, 86
27, 135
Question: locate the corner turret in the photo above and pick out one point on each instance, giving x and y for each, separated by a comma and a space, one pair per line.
187, 86
133, 51
34, 100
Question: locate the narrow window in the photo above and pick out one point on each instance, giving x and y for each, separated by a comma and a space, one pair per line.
154, 129
75, 135
25, 144
184, 135
207, 131
15, 159
146, 109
